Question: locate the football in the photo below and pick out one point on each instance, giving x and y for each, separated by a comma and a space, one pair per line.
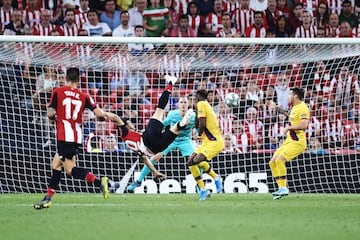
232, 100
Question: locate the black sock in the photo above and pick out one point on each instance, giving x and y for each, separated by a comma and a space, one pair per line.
55, 179
79, 173
163, 100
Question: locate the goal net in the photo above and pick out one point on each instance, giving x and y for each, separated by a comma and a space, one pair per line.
126, 76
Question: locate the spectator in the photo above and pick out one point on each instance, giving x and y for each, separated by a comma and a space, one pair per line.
183, 29
205, 6
129, 109
138, 49
45, 27
111, 16
94, 27
227, 30
321, 32
257, 30
81, 13
72, 4
321, 18
230, 144
230, 6
124, 30
88, 123
310, 6
225, 118
282, 6
258, 5
6, 11
255, 128
281, 27
295, 17
69, 28
322, 81
16, 26
345, 30
343, 88
271, 14
44, 86
174, 15
242, 139
282, 91
96, 145
110, 144
156, 20
306, 29
316, 148
55, 8
31, 15
333, 30
172, 63
243, 17
99, 133
331, 129
213, 22
196, 21
276, 131
347, 14
254, 94
136, 13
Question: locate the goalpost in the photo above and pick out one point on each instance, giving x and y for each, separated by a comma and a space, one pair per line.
328, 69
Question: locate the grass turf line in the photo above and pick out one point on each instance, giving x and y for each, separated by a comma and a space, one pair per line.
181, 216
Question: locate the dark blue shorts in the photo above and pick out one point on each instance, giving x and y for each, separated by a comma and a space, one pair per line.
156, 138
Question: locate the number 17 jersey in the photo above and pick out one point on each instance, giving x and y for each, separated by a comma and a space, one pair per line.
69, 104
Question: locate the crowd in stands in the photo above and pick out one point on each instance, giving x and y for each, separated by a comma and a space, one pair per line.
333, 95
182, 18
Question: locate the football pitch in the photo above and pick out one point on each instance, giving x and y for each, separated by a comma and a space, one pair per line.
181, 216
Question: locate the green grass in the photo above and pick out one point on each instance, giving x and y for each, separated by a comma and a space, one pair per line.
181, 216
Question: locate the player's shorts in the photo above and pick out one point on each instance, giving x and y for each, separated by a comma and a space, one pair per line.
67, 149
156, 138
291, 149
210, 148
185, 146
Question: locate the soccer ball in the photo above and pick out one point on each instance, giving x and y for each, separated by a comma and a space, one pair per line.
232, 100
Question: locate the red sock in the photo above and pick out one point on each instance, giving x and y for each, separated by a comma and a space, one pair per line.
50, 192
169, 87
90, 177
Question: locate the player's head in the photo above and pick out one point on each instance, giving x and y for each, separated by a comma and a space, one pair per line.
183, 104
201, 95
72, 75
296, 94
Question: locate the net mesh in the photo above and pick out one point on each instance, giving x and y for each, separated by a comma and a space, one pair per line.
128, 78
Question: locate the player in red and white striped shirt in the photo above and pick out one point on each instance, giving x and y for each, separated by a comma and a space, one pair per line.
69, 28
5, 14
243, 17
66, 107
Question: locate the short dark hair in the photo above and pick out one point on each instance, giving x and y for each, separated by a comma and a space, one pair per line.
202, 94
72, 74
298, 92
139, 26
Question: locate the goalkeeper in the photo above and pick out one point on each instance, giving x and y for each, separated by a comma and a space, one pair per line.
182, 142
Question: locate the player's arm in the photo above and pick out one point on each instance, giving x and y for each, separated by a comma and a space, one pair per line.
157, 174
202, 125
51, 113
302, 125
279, 109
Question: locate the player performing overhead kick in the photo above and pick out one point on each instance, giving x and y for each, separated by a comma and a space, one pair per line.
155, 138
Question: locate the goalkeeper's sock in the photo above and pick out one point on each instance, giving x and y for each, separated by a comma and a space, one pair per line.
194, 169
145, 171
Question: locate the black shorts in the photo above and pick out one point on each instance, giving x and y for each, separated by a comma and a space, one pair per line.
156, 138
67, 149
